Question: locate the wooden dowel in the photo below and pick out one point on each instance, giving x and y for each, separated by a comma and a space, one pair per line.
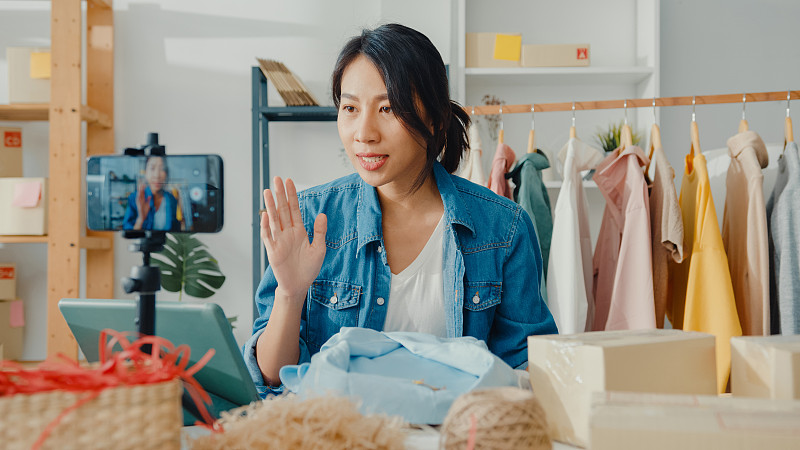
632, 103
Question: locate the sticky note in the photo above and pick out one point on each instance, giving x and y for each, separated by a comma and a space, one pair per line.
507, 46
27, 194
16, 317
40, 65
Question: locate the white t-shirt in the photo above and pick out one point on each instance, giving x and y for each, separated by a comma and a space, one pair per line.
416, 295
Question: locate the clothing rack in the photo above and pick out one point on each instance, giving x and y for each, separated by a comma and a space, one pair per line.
635, 103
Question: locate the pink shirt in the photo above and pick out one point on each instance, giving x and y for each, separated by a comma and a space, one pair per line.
623, 271
504, 158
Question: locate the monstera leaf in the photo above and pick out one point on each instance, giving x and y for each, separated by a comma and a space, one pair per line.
187, 266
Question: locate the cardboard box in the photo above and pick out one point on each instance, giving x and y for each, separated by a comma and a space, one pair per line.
23, 207
566, 369
10, 152
8, 281
628, 421
10, 336
28, 74
766, 366
556, 55
481, 50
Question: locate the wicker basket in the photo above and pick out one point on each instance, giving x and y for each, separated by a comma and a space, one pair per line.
128, 417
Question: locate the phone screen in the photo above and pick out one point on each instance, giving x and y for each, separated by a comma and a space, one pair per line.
174, 193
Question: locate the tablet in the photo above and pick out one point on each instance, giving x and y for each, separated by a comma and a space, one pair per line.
200, 326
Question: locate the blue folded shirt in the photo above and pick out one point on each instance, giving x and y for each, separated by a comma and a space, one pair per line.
413, 375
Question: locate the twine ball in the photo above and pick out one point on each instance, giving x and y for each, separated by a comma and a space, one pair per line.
504, 418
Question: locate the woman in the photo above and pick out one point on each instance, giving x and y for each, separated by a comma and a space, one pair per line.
402, 244
151, 207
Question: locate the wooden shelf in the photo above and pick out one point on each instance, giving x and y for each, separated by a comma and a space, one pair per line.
562, 75
87, 242
41, 112
23, 239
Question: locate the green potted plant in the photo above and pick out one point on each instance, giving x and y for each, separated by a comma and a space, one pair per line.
609, 138
187, 266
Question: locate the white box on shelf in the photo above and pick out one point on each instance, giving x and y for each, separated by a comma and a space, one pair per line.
28, 74
23, 206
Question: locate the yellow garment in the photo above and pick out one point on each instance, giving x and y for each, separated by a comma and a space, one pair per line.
701, 294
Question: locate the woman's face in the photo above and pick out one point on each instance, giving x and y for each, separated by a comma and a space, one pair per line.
381, 149
155, 174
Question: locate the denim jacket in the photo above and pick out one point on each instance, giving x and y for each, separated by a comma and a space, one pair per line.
492, 270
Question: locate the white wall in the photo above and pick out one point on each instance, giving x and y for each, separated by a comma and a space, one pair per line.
723, 47
182, 69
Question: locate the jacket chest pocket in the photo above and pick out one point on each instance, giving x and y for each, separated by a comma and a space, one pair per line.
479, 296
332, 305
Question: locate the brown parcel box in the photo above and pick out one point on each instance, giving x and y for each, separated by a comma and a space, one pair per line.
10, 337
10, 152
565, 370
766, 366
633, 421
22, 88
8, 281
480, 51
16, 220
555, 55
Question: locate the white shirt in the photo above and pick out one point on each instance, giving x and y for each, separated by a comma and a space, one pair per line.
569, 273
416, 295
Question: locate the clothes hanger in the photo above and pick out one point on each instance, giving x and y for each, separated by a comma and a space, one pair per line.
531, 134
572, 133
626, 137
655, 139
743, 123
695, 139
500, 136
788, 134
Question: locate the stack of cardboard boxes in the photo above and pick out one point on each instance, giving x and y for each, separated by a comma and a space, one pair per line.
657, 389
499, 50
12, 315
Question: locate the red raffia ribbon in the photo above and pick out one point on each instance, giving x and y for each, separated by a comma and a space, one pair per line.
130, 366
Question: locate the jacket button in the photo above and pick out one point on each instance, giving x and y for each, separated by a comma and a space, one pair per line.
334, 299
380, 249
380, 301
476, 299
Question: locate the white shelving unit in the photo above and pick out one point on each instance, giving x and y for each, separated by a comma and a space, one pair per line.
624, 55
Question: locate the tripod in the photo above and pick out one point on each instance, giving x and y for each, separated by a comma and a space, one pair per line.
145, 280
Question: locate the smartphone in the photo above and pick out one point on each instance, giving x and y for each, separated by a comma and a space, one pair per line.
174, 193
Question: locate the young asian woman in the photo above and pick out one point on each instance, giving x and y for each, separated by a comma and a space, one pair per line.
402, 244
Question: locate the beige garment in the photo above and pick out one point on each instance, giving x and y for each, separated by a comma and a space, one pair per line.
623, 273
744, 232
471, 166
666, 228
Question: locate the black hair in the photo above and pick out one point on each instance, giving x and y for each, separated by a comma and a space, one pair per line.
413, 71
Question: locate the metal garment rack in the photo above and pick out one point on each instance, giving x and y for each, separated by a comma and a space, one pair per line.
263, 115
635, 103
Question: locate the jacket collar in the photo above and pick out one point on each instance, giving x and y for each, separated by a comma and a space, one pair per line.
369, 216
750, 139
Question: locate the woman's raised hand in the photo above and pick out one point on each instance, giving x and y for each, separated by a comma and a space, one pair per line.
294, 260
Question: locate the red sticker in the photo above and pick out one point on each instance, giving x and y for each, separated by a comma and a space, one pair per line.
6, 273
583, 53
12, 139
